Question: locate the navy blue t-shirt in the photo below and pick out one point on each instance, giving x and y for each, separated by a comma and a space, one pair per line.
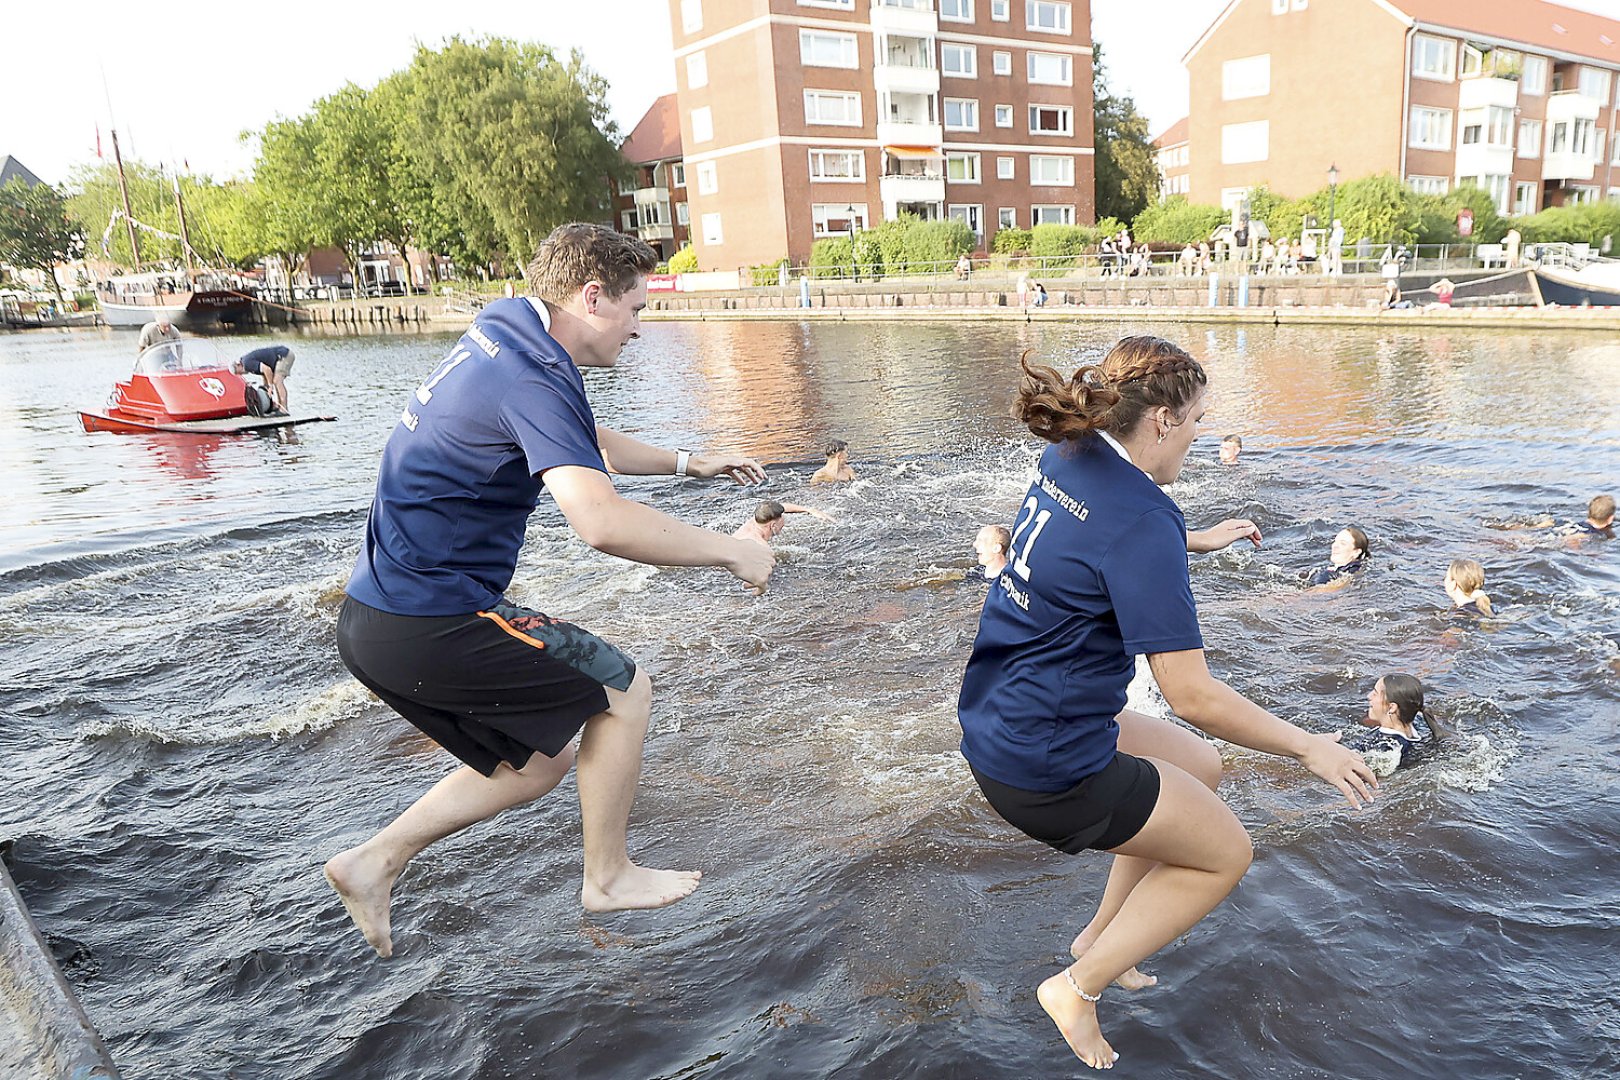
267, 357
460, 474
1098, 574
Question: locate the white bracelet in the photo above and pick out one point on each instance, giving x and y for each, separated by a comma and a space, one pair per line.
682, 459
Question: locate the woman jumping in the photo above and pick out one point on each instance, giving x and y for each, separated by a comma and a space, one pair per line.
1098, 575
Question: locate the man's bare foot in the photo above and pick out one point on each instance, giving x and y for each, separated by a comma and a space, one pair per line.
1076, 1018
365, 883
1131, 980
638, 887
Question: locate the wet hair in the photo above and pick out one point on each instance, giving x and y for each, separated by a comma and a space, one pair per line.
579, 253
1138, 375
1405, 692
1237, 439
1600, 508
1469, 577
1003, 537
1359, 538
837, 446
769, 511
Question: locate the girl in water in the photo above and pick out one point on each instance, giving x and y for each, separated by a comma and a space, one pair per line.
1465, 584
1394, 711
1346, 558
1098, 575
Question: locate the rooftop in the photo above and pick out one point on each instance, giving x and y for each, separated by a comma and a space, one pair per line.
657, 136
10, 167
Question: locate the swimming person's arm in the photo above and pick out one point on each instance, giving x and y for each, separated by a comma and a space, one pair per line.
619, 526
1211, 706
1223, 535
795, 508
632, 457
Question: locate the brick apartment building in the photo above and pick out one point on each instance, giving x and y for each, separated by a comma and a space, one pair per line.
1170, 154
654, 206
809, 118
1515, 96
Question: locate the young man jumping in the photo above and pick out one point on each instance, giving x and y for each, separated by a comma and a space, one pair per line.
426, 626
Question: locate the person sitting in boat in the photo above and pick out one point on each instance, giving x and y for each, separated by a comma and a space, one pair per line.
1346, 558
1395, 712
273, 364
157, 332
1465, 584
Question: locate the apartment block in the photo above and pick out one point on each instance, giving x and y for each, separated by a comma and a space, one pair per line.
1171, 155
803, 119
1515, 96
653, 204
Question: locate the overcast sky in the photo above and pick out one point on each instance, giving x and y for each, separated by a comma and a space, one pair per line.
186, 80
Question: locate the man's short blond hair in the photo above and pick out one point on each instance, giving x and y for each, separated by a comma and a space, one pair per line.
579, 253
1600, 508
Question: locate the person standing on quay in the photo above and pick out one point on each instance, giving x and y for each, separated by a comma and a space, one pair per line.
425, 624
1099, 576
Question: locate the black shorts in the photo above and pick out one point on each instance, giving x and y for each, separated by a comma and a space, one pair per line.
489, 687
1102, 811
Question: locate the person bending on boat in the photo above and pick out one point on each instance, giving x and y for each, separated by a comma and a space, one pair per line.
426, 624
157, 332
273, 364
1099, 576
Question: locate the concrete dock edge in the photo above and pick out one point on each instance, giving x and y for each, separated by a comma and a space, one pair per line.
44, 1032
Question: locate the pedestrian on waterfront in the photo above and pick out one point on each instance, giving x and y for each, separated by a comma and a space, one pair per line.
1465, 586
1023, 290
1100, 576
1204, 257
1188, 263
273, 364
836, 470
1040, 295
1335, 249
1364, 248
770, 519
1231, 447
157, 332
1348, 556
425, 624
1510, 248
964, 267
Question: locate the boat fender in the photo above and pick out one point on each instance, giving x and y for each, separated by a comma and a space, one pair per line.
259, 401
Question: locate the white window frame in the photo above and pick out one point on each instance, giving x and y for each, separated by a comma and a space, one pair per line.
1537, 86
1006, 168
1065, 213
1001, 10
697, 70
821, 156
821, 212
1066, 111
1004, 116
1065, 170
848, 49
1246, 77
677, 174
966, 106
1413, 128
1006, 217
1246, 143
1597, 145
836, 5
1473, 61
1058, 9
1597, 74
1558, 138
1614, 194
1001, 62
969, 161
691, 16
1067, 62
713, 233
1524, 197
1614, 153
964, 5
813, 116
628, 220
708, 178
683, 214
1582, 194
1529, 147
1442, 49
970, 210
950, 48
702, 124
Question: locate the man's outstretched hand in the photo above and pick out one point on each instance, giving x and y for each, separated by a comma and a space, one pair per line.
744, 470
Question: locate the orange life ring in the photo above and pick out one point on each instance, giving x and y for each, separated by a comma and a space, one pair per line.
74, 304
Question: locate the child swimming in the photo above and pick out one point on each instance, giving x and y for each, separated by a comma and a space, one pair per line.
1394, 711
1346, 558
1465, 584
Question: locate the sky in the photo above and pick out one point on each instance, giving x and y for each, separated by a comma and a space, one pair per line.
182, 84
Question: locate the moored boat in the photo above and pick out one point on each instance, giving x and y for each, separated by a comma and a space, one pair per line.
1596, 284
191, 302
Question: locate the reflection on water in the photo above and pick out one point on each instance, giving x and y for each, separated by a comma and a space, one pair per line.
183, 749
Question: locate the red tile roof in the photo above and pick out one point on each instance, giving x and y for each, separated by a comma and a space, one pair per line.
1174, 134
657, 137
1533, 22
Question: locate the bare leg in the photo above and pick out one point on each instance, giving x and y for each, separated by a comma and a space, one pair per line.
609, 767
278, 390
1146, 736
1201, 852
364, 876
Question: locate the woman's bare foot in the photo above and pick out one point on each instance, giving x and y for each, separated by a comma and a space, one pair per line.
365, 883
1131, 980
1076, 1018
637, 887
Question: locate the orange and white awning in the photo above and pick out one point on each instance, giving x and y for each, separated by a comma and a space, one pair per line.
915, 153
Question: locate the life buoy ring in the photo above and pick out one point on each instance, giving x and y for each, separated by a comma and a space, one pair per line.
74, 304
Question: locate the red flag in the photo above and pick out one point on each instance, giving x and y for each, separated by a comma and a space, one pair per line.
98, 141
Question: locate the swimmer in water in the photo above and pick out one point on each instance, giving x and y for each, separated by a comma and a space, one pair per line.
1465, 584
769, 520
991, 547
1599, 518
1347, 557
1394, 711
1101, 577
1231, 447
837, 470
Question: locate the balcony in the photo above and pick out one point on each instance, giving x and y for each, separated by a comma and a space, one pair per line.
910, 133
652, 231
1569, 131
1484, 93
926, 187
905, 79
913, 17
651, 195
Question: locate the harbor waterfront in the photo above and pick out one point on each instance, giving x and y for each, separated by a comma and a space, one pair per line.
183, 748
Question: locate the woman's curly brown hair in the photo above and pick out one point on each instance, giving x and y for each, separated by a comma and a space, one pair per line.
1139, 374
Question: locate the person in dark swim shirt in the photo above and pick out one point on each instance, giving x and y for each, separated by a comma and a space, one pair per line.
1599, 518
1346, 559
1401, 733
1465, 585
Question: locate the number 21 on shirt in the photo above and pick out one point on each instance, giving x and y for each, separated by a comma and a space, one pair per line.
1030, 512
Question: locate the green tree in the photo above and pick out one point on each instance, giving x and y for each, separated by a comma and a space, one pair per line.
1177, 221
36, 231
1127, 178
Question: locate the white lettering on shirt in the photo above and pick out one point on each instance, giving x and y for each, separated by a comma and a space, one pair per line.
1014, 593
1077, 507
409, 419
483, 341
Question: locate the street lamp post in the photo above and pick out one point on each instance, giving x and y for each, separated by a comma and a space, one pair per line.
1333, 194
855, 264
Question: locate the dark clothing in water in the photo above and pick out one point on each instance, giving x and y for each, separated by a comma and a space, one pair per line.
1329, 574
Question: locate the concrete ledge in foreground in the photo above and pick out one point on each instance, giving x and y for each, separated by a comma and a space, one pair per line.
44, 1032
1478, 318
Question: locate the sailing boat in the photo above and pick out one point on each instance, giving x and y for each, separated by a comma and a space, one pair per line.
191, 298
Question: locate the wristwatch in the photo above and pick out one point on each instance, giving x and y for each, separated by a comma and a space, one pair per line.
682, 459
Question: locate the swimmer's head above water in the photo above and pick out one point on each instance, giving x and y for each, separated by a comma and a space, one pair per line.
1395, 702
768, 516
1349, 545
1231, 447
1465, 584
1600, 512
1147, 393
991, 545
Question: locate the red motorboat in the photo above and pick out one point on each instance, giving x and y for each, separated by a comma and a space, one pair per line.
185, 386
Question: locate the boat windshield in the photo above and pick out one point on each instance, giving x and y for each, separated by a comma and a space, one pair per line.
169, 357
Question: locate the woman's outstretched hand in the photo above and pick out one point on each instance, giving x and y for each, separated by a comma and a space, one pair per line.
1341, 767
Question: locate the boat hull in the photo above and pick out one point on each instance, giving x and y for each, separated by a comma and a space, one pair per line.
1569, 290
229, 425
198, 310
